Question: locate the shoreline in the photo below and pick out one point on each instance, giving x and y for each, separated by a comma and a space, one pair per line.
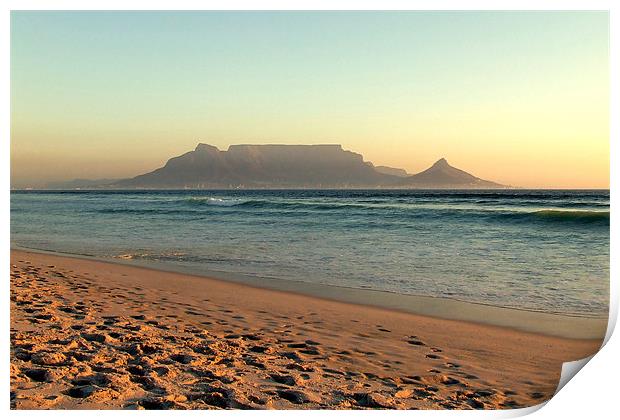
88, 334
573, 326
86, 190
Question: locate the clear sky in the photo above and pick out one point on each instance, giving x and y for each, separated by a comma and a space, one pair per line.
520, 98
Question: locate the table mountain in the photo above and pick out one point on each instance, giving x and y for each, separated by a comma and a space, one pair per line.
265, 166
292, 166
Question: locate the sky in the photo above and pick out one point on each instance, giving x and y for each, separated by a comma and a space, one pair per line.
520, 98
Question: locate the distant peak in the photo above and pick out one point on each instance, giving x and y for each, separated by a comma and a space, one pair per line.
441, 163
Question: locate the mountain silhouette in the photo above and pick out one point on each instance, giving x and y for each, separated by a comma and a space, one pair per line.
291, 166
442, 175
391, 171
264, 166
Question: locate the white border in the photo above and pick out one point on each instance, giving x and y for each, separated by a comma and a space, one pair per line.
592, 394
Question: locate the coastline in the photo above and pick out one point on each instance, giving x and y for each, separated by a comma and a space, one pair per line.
573, 326
92, 334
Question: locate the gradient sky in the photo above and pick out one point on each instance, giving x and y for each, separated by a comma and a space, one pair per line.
520, 98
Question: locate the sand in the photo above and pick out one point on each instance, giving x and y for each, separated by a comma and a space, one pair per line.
96, 335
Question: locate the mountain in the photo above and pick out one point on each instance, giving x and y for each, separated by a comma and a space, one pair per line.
391, 171
442, 175
264, 166
287, 166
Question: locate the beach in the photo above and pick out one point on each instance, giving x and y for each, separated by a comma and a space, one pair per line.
91, 334
541, 251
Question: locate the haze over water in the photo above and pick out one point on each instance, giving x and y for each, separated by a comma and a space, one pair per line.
539, 250
520, 98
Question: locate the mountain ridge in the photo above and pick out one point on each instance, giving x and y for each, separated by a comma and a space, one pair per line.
276, 166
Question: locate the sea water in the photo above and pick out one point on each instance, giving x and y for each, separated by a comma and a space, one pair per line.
526, 249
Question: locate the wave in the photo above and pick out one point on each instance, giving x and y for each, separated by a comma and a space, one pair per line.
143, 211
173, 256
562, 216
573, 215
341, 209
275, 204
178, 256
214, 201
421, 209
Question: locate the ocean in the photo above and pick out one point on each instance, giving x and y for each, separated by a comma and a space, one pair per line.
526, 249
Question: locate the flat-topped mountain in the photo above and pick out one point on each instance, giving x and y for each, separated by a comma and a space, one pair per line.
292, 166
391, 171
264, 166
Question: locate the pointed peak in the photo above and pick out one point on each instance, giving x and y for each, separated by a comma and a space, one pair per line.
441, 163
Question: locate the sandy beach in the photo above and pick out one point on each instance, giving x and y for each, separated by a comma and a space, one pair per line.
96, 335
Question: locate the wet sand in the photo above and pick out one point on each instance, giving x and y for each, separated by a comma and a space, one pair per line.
91, 334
